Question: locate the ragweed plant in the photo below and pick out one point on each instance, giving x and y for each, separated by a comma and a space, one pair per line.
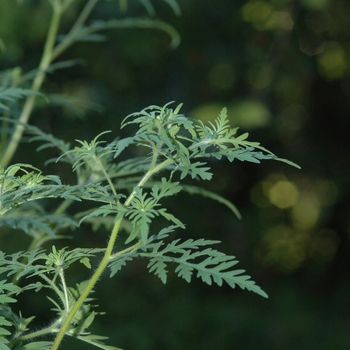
125, 194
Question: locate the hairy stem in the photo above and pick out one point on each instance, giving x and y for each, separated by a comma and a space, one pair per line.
48, 330
127, 250
65, 291
97, 274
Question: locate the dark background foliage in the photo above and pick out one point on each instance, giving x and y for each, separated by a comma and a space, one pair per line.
282, 69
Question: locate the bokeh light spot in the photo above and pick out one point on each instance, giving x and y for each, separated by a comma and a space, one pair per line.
257, 13
306, 212
207, 112
283, 247
283, 194
315, 4
249, 114
331, 61
263, 16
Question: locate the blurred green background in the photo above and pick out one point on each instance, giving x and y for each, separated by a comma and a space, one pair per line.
282, 69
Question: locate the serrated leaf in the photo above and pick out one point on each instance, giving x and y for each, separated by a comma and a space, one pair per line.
211, 265
40, 345
117, 263
159, 268
95, 340
86, 261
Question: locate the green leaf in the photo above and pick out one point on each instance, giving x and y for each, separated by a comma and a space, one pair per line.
40, 345
117, 263
2, 344
33, 224
144, 23
86, 261
212, 195
210, 264
4, 322
157, 265
12, 94
196, 169
95, 340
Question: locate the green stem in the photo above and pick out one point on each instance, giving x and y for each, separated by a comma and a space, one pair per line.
65, 292
44, 331
72, 35
89, 286
96, 159
127, 250
36, 86
50, 53
147, 176
63, 206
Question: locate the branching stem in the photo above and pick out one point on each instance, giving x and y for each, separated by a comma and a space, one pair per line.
36, 86
71, 36
97, 274
146, 177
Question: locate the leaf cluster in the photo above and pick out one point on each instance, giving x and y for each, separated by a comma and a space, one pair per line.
125, 191
210, 265
49, 268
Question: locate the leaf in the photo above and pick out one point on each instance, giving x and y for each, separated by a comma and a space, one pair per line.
19, 189
144, 207
40, 345
86, 261
144, 23
4, 322
212, 195
9, 288
288, 162
95, 340
157, 265
210, 264
122, 144
33, 224
174, 5
12, 94
196, 169
117, 263
104, 210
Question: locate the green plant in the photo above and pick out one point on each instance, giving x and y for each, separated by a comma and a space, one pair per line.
126, 196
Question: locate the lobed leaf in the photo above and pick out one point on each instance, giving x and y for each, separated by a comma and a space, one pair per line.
210, 264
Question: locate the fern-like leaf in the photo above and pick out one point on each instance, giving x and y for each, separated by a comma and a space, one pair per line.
89, 33
37, 345
210, 264
96, 341
34, 224
144, 207
12, 94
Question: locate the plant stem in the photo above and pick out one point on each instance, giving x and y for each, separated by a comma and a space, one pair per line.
64, 287
39, 333
97, 160
147, 176
89, 286
72, 35
45, 62
50, 53
127, 250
